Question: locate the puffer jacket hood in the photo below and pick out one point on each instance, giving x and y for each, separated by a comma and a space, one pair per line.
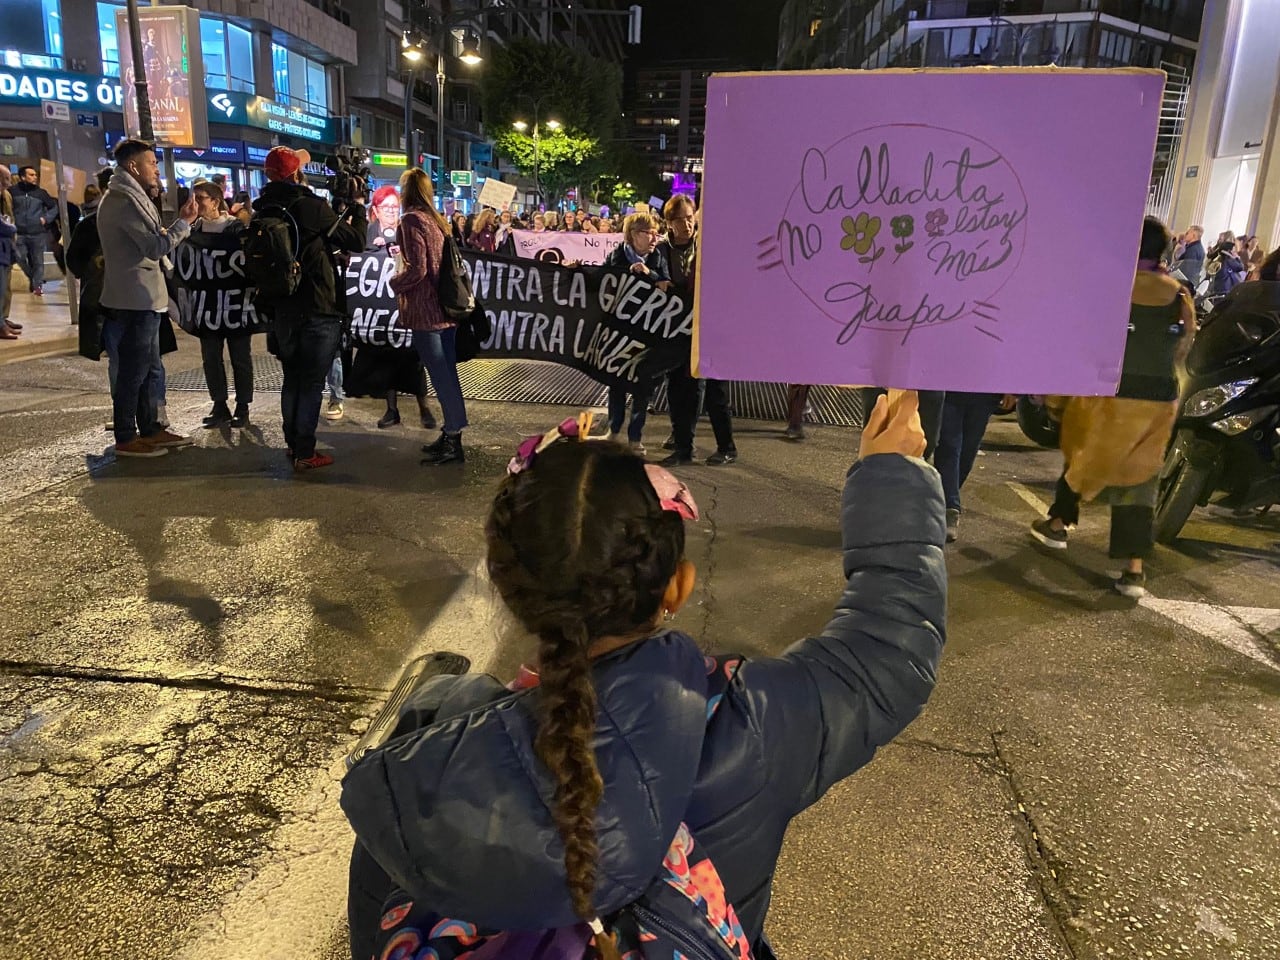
459, 813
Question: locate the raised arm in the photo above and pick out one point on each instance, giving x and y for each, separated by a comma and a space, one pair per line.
828, 703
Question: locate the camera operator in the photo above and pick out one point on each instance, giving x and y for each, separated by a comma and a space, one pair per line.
308, 324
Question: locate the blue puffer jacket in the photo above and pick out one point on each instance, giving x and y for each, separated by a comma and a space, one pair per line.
458, 811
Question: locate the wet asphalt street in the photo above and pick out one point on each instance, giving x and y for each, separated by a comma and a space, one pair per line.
190, 645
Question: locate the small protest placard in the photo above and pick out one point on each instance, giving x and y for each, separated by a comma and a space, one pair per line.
497, 194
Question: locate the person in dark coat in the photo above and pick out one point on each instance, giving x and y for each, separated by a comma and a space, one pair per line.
33, 212
8, 253
685, 392
308, 325
555, 801
641, 255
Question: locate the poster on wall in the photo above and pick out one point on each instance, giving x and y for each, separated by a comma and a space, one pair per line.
174, 70
928, 229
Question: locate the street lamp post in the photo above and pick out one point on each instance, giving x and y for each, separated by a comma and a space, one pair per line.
537, 138
413, 55
470, 56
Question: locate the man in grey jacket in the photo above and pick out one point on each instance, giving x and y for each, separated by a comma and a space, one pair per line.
135, 250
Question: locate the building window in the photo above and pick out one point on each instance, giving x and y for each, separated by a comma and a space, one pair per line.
108, 42
32, 34
299, 80
228, 55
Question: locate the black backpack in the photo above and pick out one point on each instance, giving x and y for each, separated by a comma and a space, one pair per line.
453, 285
271, 244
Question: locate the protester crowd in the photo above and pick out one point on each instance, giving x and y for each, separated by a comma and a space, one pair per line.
122, 251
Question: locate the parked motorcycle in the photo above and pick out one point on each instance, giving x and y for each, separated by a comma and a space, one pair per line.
1227, 437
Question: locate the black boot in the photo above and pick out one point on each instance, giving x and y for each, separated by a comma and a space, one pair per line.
392, 417
448, 449
240, 419
219, 416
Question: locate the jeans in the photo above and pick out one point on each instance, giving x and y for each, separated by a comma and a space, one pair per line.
159, 379
333, 381
1132, 527
439, 355
930, 413
134, 337
639, 410
964, 421
306, 346
684, 392
215, 372
30, 256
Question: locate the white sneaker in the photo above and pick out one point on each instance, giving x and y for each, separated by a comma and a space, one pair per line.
638, 448
333, 411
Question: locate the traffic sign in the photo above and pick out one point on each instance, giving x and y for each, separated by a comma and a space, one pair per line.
462, 178
55, 110
88, 120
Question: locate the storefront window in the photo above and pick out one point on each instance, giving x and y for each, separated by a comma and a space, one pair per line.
32, 34
300, 81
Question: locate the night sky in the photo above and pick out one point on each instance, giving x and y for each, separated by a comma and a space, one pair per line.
744, 31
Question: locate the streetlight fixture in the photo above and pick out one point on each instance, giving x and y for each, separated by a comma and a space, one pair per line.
522, 126
413, 54
470, 55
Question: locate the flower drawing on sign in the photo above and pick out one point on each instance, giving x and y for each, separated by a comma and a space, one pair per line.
860, 237
935, 222
902, 228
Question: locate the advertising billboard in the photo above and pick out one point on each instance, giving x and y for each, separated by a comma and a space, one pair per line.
174, 70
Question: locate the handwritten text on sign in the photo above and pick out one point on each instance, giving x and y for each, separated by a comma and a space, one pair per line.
928, 229
902, 198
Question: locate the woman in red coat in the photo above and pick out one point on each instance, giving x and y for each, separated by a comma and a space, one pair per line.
421, 239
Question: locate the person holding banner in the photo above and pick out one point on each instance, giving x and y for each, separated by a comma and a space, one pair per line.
216, 220
638, 254
683, 389
421, 239
484, 233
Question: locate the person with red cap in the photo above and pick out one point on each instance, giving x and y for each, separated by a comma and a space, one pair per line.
307, 324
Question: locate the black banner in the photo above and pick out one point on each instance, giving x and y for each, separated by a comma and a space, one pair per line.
214, 298
618, 328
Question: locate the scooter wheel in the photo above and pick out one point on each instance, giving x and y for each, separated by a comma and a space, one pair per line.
1181, 487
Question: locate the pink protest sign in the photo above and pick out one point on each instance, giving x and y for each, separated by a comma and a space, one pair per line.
950, 229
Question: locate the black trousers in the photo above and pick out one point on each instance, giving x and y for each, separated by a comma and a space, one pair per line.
1132, 528
685, 394
215, 373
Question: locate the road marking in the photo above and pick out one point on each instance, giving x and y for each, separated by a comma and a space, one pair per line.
1025, 493
1236, 628
297, 895
56, 411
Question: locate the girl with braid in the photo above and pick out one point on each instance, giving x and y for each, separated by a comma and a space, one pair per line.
627, 797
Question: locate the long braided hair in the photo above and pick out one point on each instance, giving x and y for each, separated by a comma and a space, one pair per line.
580, 549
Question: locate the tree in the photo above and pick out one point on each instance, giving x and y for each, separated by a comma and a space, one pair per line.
563, 158
582, 94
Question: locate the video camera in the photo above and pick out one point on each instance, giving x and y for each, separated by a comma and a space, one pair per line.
349, 177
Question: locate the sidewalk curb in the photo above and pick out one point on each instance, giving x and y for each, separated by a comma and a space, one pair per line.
14, 351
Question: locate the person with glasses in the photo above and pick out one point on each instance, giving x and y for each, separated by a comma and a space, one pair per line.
639, 253
384, 218
686, 393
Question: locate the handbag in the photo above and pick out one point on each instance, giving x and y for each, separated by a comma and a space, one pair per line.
473, 330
